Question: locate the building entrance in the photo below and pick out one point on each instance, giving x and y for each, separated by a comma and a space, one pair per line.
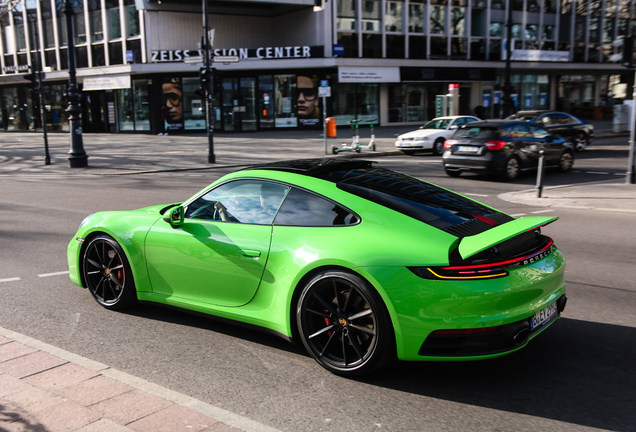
239, 104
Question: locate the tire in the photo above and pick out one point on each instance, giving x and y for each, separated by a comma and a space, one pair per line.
579, 142
344, 324
566, 161
452, 173
107, 273
373, 147
438, 147
334, 150
512, 169
357, 149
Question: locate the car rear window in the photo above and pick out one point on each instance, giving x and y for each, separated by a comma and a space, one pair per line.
476, 132
418, 199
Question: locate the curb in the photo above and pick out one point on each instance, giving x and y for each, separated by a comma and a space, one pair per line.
219, 414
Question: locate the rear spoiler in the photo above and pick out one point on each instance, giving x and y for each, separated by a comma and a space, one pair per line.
472, 245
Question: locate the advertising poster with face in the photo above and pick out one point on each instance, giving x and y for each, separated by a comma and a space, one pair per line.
172, 104
308, 104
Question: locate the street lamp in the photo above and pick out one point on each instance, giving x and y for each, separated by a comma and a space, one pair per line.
207, 86
77, 156
507, 88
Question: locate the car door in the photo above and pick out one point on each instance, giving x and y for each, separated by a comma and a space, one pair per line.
558, 123
524, 144
212, 258
545, 141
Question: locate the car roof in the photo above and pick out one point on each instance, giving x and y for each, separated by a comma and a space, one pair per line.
313, 167
452, 117
493, 122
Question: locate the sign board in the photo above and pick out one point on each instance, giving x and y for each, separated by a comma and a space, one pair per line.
194, 59
324, 83
348, 74
539, 55
324, 91
106, 82
226, 59
338, 50
130, 56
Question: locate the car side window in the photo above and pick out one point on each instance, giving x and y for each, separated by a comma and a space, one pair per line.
241, 201
539, 132
520, 131
470, 120
568, 119
460, 121
302, 208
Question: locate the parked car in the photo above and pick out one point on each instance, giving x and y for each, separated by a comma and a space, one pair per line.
505, 147
359, 263
432, 135
577, 131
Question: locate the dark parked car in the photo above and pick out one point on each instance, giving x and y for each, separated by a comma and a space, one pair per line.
505, 147
578, 132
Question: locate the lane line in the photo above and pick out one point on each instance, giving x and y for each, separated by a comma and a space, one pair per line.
54, 274
518, 214
596, 172
474, 194
10, 279
542, 211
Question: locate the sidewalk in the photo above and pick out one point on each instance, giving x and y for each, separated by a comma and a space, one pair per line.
47, 389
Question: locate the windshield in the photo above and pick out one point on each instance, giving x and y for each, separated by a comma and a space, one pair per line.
437, 124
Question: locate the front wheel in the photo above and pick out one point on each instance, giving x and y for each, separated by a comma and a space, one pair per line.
334, 150
107, 273
438, 147
344, 324
566, 161
512, 169
580, 142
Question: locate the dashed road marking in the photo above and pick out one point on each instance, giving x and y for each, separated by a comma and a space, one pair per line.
54, 274
596, 172
474, 194
518, 214
10, 279
542, 211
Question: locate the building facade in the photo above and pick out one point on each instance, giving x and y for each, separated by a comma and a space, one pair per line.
138, 61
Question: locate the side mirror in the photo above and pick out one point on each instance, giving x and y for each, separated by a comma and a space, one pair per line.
453, 127
174, 216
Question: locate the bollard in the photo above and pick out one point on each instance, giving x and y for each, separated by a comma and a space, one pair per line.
540, 173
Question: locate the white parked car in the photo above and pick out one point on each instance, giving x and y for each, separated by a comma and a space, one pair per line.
432, 135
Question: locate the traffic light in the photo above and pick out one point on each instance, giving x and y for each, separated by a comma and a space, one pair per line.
217, 81
33, 81
628, 51
204, 80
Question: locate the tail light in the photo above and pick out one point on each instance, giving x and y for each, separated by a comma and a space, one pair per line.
448, 143
495, 145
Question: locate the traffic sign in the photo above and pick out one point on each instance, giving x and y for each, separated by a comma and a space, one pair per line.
324, 91
226, 59
193, 59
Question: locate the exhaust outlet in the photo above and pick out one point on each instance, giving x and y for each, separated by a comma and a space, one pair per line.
521, 337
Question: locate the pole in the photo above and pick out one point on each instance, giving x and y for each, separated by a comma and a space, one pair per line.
78, 157
209, 120
631, 173
40, 73
324, 121
506, 98
540, 173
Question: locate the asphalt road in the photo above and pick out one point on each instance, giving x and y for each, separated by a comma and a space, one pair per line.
576, 376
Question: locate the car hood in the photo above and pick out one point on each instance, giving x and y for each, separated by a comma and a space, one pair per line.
422, 133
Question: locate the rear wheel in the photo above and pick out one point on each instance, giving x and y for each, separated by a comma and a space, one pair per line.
107, 273
512, 169
344, 325
566, 161
452, 173
580, 142
438, 147
334, 150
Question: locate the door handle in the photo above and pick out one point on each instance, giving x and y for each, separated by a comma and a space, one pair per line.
250, 253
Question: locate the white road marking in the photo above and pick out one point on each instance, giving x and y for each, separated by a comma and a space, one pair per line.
596, 172
53, 274
10, 279
518, 214
542, 211
474, 194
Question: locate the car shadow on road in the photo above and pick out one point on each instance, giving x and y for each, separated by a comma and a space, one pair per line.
576, 372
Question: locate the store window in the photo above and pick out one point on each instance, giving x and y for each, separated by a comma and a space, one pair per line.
356, 101
267, 101
285, 86
56, 115
133, 107
407, 103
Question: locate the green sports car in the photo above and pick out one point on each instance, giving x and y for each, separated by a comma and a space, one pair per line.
360, 263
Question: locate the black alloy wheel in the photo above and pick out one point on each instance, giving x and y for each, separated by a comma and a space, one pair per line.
344, 325
107, 273
580, 142
512, 169
438, 147
566, 161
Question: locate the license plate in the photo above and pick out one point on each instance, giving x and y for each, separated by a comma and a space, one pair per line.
468, 149
543, 316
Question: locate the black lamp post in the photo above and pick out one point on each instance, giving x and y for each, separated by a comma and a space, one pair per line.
208, 90
77, 156
507, 88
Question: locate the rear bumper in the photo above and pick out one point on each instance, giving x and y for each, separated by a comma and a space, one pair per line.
490, 162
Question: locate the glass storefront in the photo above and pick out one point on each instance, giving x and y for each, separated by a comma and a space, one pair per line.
355, 101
